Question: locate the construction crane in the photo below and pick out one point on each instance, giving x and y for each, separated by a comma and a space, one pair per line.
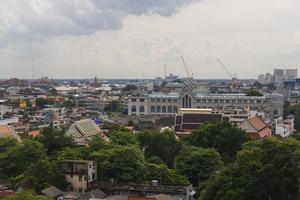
187, 72
233, 78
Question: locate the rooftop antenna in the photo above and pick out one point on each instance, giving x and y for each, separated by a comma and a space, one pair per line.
33, 69
165, 71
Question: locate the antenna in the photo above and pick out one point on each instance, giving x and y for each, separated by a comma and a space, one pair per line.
33, 69
165, 71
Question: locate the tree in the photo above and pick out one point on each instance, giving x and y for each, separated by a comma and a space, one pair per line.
126, 164
123, 138
113, 106
264, 169
69, 154
163, 174
198, 164
54, 140
15, 160
223, 136
26, 196
164, 145
253, 92
42, 174
129, 88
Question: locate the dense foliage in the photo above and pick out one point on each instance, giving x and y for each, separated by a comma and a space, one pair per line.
218, 159
223, 136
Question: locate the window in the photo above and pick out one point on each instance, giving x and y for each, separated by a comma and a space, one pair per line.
94, 176
142, 100
80, 190
175, 109
133, 100
169, 100
169, 109
80, 178
152, 100
71, 175
157, 100
158, 109
153, 109
163, 100
142, 109
133, 109
164, 109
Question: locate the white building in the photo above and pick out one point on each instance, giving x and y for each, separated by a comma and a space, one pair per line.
190, 97
284, 128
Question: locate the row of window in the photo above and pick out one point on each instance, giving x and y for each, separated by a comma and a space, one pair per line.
227, 101
163, 109
164, 100
156, 109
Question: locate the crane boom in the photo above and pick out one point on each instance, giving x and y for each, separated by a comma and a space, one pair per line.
223, 66
185, 67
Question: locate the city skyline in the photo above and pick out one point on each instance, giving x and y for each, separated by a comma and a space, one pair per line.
121, 39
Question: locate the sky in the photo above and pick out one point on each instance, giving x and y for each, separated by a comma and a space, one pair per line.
136, 38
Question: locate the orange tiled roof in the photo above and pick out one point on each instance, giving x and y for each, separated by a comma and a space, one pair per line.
5, 131
257, 123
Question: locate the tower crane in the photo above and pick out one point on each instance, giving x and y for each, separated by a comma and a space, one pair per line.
233, 78
187, 71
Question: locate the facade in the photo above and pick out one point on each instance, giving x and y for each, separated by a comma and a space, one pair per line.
290, 74
284, 128
262, 79
168, 104
79, 173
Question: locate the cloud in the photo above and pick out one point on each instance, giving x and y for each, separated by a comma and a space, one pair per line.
27, 20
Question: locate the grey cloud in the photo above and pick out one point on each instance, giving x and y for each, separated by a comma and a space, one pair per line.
27, 20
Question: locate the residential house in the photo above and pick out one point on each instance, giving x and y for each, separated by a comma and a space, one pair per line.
256, 128
79, 173
8, 131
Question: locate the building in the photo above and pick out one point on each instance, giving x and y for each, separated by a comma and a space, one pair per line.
256, 128
189, 119
53, 193
167, 104
7, 131
84, 130
279, 78
79, 173
269, 78
284, 128
131, 191
290, 74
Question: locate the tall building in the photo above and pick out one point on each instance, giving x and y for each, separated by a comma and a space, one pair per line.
269, 78
262, 79
279, 78
290, 74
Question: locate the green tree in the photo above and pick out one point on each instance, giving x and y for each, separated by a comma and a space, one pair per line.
42, 174
253, 92
15, 160
54, 140
198, 164
223, 136
163, 174
126, 164
264, 169
26, 196
123, 138
69, 154
164, 145
113, 106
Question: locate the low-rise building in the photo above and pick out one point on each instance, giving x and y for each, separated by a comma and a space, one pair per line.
256, 128
79, 173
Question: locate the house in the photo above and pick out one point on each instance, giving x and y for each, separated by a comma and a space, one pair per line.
53, 193
84, 130
284, 128
256, 128
79, 173
8, 131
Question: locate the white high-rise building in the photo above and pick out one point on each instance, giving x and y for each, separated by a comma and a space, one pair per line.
262, 79
290, 74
